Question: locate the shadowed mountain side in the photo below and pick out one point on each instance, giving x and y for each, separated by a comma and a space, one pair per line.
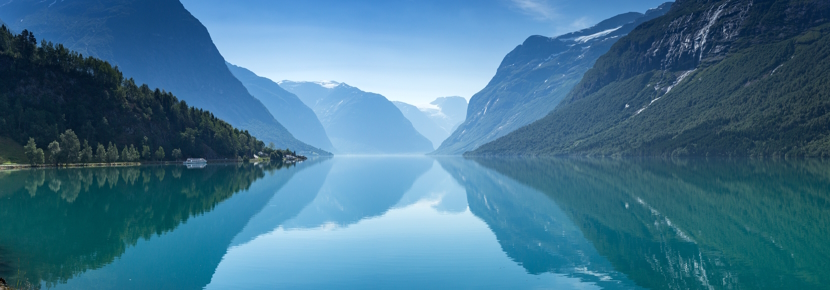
158, 211
359, 122
534, 77
157, 42
695, 225
346, 198
532, 230
721, 78
286, 107
289, 201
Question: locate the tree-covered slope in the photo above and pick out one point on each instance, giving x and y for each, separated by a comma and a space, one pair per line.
47, 89
157, 42
358, 122
534, 77
710, 78
286, 107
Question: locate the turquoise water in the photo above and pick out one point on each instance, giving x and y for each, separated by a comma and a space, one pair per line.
421, 223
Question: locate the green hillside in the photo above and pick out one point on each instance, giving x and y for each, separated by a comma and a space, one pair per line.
11, 152
47, 89
724, 78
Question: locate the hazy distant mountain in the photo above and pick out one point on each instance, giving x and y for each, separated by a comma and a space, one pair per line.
423, 123
358, 122
710, 78
436, 123
286, 107
450, 113
534, 77
157, 42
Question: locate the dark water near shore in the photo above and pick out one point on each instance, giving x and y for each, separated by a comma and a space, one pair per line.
421, 223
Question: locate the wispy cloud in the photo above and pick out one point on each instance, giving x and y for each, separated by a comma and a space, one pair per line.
539, 9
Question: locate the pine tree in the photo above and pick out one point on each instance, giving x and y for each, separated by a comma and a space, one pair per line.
101, 153
160, 154
55, 152
86, 153
31, 151
112, 153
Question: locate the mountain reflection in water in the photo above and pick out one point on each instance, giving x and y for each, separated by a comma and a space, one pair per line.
697, 224
421, 222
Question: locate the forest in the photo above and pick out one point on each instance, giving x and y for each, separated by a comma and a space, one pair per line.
64, 104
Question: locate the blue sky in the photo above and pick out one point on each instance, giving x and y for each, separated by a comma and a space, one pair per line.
407, 50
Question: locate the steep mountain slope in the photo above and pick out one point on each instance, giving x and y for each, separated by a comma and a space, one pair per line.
157, 42
534, 77
711, 78
358, 122
46, 90
286, 107
423, 123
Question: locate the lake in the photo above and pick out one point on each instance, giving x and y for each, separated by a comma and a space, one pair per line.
421, 223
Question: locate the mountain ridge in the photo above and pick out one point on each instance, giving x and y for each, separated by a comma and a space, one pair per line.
533, 78
173, 52
722, 78
286, 107
359, 122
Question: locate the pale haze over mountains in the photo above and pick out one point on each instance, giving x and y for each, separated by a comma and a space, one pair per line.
438, 121
359, 122
286, 107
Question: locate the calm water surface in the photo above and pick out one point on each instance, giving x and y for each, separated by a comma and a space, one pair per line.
421, 223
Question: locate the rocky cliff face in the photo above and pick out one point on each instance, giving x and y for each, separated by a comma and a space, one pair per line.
733, 78
533, 78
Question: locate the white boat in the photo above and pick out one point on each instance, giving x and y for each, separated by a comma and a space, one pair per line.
191, 161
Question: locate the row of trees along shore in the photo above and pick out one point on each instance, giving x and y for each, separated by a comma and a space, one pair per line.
47, 89
69, 150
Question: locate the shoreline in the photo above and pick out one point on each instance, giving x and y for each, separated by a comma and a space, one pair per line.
7, 167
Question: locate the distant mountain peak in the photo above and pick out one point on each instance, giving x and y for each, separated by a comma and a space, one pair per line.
328, 84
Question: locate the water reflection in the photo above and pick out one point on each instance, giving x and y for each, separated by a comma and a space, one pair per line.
697, 224
62, 223
531, 228
415, 223
358, 188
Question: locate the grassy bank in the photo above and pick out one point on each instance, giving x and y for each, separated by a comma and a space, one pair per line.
11, 152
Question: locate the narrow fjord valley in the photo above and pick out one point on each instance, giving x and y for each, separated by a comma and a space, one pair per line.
623, 145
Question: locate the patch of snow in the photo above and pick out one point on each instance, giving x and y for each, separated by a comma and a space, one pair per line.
328, 84
679, 79
703, 34
584, 39
652, 101
773, 71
